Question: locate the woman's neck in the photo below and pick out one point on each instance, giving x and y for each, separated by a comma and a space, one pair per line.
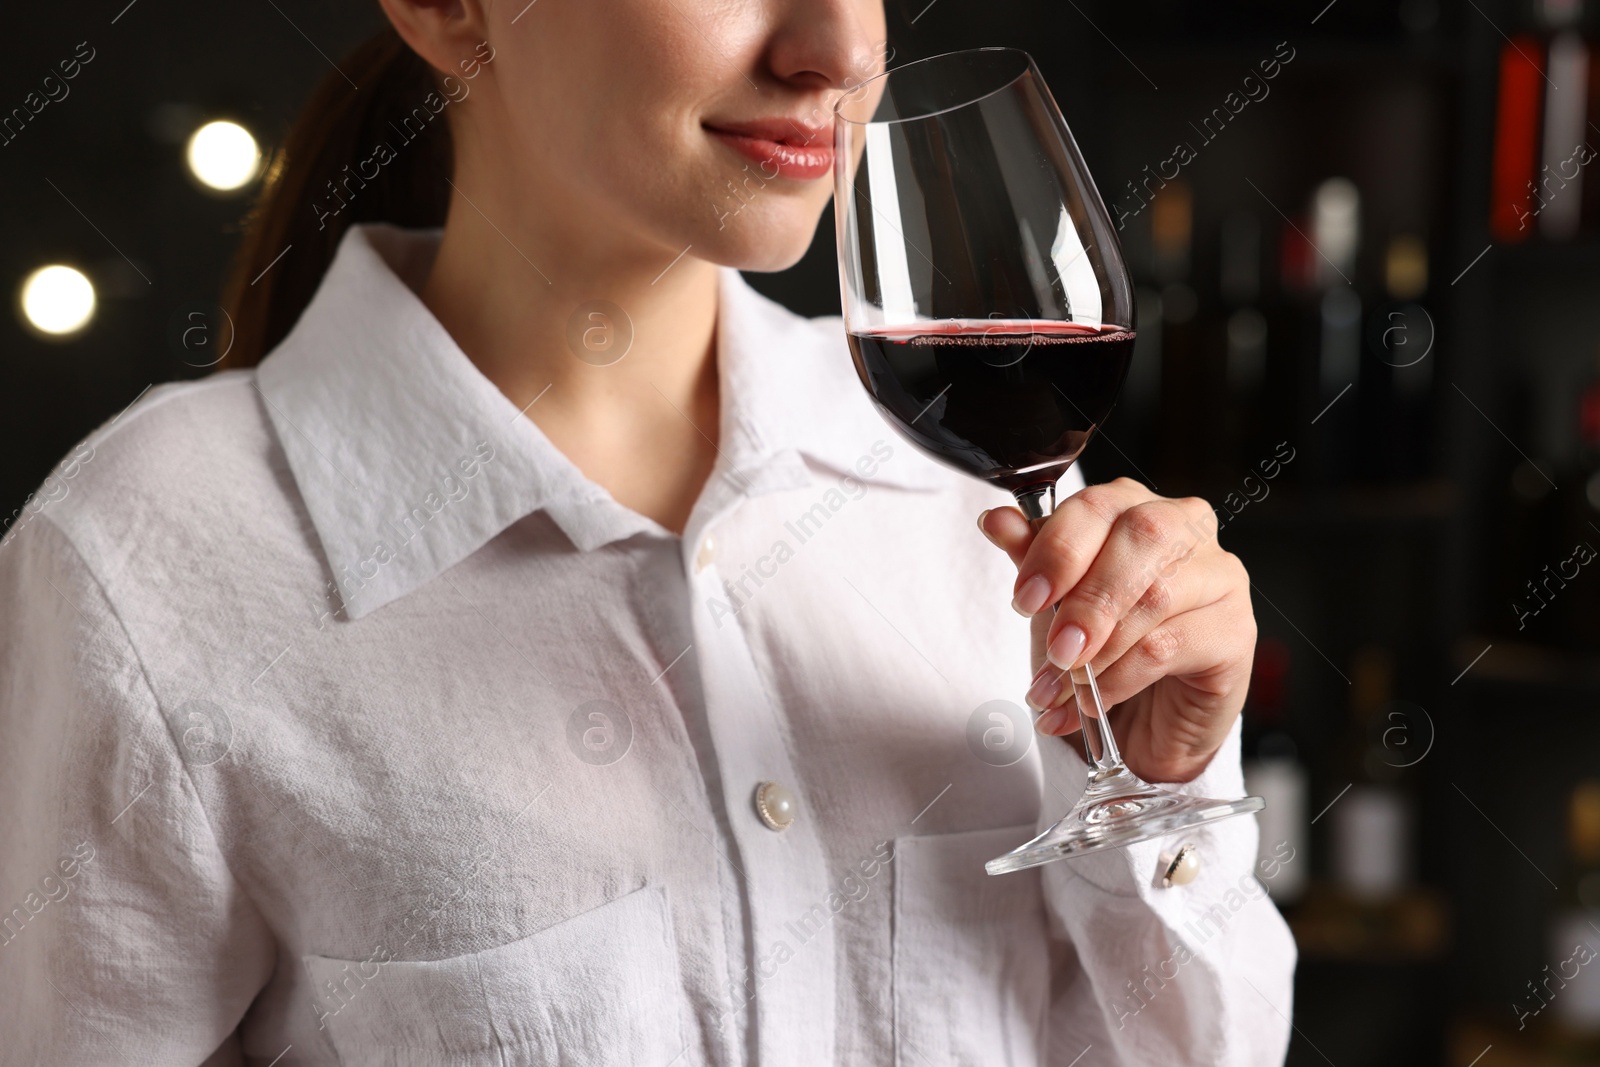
522, 301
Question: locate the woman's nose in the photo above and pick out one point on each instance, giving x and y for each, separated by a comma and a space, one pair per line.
827, 44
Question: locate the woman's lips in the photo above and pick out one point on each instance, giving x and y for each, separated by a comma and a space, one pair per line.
779, 158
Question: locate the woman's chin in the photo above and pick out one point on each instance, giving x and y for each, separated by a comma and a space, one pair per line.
764, 242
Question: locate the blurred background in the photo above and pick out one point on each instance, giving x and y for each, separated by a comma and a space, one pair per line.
1367, 240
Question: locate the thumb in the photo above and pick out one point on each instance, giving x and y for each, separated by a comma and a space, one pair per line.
1008, 530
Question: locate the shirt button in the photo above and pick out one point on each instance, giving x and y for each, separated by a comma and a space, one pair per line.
776, 805
1180, 868
707, 553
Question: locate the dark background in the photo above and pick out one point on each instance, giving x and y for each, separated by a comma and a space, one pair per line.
1400, 534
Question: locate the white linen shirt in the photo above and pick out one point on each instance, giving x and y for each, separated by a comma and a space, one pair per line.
343, 720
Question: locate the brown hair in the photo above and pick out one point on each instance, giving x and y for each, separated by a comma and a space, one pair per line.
316, 187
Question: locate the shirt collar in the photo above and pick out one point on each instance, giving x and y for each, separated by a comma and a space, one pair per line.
409, 460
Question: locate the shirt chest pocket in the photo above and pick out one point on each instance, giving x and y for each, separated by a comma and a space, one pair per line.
971, 953
600, 989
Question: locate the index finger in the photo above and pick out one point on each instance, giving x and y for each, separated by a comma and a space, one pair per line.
1070, 539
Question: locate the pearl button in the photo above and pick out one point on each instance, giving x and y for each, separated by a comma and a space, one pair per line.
776, 805
707, 553
1180, 868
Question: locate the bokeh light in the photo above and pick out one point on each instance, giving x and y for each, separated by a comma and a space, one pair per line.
224, 155
58, 300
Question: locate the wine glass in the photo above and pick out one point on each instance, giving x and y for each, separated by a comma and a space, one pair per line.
990, 317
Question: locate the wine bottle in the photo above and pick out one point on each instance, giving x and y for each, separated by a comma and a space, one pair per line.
1293, 327
1401, 345
1248, 421
1514, 195
1274, 771
1185, 434
1372, 820
1590, 222
1566, 151
1575, 554
1336, 236
1574, 939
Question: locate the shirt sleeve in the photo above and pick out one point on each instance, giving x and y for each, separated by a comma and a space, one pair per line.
1197, 974
123, 936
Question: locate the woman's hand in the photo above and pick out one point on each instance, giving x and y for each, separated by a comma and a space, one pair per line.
1150, 599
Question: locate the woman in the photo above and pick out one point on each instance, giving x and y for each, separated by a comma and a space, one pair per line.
545, 655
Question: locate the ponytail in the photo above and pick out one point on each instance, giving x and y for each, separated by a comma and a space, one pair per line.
322, 180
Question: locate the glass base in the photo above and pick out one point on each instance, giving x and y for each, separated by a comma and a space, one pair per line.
1119, 809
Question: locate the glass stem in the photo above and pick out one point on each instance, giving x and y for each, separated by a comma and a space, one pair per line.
1099, 746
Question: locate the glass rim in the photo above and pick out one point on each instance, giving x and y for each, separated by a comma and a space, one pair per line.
1027, 67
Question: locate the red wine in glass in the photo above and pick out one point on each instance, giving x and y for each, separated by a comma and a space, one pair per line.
1012, 401
990, 316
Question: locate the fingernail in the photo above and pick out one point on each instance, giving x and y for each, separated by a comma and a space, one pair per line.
984, 529
1051, 722
1045, 690
1031, 597
1068, 646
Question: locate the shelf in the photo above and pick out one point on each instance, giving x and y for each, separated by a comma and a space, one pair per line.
1534, 254
1522, 663
1333, 926
1357, 57
1540, 1044
1339, 509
